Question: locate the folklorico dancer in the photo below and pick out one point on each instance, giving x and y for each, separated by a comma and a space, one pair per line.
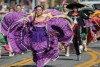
86, 30
92, 25
38, 34
78, 24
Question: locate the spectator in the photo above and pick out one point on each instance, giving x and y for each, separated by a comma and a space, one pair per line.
57, 7
65, 10
3, 44
13, 4
18, 8
11, 9
4, 6
0, 7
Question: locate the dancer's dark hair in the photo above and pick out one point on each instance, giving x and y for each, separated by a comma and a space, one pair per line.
35, 9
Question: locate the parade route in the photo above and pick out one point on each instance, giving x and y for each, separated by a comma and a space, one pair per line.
49, 33
89, 59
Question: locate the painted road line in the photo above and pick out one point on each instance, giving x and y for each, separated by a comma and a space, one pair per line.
21, 62
26, 63
94, 58
2, 66
94, 63
29, 61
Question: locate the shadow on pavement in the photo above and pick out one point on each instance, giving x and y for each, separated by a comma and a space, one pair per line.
62, 55
95, 48
5, 58
64, 59
35, 66
5, 54
29, 66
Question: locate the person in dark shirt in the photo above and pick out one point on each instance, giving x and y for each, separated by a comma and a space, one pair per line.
78, 23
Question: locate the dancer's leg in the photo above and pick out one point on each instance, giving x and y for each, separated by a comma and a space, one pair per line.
67, 48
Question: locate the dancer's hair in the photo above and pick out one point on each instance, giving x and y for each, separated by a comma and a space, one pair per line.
38, 6
35, 9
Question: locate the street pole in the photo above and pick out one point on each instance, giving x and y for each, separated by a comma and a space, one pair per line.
33, 4
38, 2
52, 3
46, 4
17, 1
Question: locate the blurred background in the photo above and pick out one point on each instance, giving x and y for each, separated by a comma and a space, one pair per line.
30, 4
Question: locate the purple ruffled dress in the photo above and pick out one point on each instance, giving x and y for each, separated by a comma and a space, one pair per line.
39, 38
8, 21
43, 45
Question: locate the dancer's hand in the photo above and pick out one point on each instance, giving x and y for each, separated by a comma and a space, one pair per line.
25, 22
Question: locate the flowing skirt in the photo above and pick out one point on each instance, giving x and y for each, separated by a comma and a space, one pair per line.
43, 46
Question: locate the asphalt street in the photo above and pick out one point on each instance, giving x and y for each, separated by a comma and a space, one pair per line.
91, 58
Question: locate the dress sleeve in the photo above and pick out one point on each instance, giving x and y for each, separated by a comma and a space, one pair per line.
29, 18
